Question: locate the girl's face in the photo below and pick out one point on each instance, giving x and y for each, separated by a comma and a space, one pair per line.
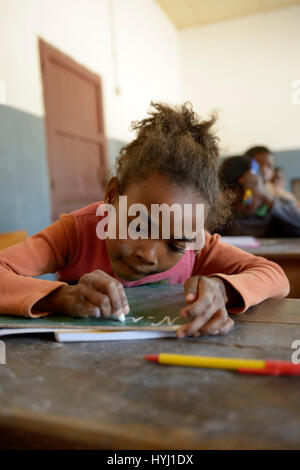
134, 259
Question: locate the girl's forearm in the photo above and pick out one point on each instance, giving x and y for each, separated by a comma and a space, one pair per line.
56, 301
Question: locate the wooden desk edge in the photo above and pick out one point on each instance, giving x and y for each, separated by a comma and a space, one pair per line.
76, 433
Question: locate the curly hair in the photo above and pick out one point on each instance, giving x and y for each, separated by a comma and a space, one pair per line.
174, 142
253, 151
231, 169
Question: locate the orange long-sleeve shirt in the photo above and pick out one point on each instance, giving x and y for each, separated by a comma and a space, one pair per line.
72, 248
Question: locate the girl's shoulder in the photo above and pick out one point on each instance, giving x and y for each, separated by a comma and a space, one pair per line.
86, 219
89, 210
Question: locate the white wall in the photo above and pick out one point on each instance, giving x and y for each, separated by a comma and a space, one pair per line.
245, 68
147, 46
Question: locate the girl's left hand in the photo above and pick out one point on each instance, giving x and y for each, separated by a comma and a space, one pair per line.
207, 299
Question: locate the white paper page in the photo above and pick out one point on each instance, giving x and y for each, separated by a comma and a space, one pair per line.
20, 331
75, 336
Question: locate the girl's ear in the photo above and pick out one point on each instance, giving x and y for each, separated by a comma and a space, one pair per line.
112, 191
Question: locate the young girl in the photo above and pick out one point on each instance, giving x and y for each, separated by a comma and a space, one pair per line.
173, 159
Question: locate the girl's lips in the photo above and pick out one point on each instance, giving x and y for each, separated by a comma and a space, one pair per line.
135, 270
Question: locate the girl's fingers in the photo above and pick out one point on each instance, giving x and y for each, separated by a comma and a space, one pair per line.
198, 307
85, 309
109, 286
123, 299
209, 301
227, 327
180, 332
209, 298
115, 298
214, 325
198, 322
219, 324
89, 293
191, 288
99, 293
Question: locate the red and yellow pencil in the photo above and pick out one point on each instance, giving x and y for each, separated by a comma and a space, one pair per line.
243, 366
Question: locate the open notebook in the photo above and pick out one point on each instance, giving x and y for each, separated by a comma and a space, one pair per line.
154, 313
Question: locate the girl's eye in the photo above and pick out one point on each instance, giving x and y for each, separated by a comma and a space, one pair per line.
139, 229
176, 248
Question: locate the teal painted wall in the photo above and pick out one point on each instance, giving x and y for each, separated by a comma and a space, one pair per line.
24, 187
289, 160
24, 184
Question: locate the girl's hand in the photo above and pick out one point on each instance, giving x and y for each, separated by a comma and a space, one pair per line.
207, 311
259, 191
97, 295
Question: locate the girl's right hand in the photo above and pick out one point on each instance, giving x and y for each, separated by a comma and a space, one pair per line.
97, 295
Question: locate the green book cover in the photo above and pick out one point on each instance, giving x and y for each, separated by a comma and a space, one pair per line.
152, 306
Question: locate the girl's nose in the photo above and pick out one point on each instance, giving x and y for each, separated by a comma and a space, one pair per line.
148, 253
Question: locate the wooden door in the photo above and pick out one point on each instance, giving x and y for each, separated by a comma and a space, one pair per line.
76, 144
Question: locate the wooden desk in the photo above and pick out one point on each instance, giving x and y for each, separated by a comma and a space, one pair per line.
285, 252
106, 396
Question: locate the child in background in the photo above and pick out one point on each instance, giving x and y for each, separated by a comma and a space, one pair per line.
274, 178
266, 161
279, 179
278, 186
173, 159
261, 215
